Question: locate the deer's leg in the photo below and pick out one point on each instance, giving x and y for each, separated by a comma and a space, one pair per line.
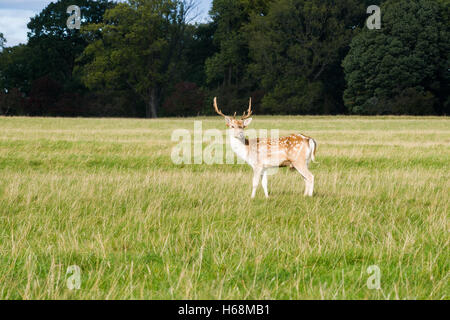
311, 185
302, 168
264, 183
256, 177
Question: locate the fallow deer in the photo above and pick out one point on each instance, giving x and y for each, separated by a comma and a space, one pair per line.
296, 151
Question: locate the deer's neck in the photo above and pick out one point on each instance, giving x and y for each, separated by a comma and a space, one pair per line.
239, 146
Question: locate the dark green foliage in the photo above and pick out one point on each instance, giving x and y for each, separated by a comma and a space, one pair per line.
17, 67
226, 70
11, 103
140, 49
199, 47
142, 58
296, 51
51, 41
2, 42
44, 94
402, 68
48, 60
186, 100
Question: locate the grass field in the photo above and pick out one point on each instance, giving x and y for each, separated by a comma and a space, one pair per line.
103, 194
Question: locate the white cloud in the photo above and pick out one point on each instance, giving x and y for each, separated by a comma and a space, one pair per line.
14, 17
34, 5
13, 25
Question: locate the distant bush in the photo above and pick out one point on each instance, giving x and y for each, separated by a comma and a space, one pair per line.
43, 96
411, 101
414, 102
186, 100
11, 103
112, 104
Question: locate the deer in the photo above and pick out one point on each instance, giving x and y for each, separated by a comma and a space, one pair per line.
295, 151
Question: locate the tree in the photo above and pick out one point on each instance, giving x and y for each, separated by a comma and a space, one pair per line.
402, 68
140, 48
44, 94
55, 46
297, 50
11, 103
187, 100
51, 49
2, 42
226, 70
17, 69
199, 47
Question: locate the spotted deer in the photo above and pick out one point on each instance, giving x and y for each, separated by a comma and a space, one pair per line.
295, 151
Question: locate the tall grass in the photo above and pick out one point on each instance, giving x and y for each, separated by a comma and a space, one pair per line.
103, 194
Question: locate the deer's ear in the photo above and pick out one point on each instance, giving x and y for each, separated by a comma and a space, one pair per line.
247, 122
228, 121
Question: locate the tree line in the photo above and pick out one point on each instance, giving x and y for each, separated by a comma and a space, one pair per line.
147, 58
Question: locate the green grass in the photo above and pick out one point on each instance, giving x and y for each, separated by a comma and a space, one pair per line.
104, 194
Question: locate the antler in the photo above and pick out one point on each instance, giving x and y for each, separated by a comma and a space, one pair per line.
249, 111
217, 109
244, 116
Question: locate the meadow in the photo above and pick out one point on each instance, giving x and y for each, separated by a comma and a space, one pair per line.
104, 195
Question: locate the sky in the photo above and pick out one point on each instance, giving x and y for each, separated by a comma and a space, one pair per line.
15, 14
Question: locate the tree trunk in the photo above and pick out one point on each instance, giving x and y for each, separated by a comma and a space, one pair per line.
152, 105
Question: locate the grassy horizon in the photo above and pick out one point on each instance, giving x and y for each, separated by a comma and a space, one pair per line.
103, 194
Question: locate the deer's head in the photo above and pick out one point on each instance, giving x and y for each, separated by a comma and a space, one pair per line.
237, 126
